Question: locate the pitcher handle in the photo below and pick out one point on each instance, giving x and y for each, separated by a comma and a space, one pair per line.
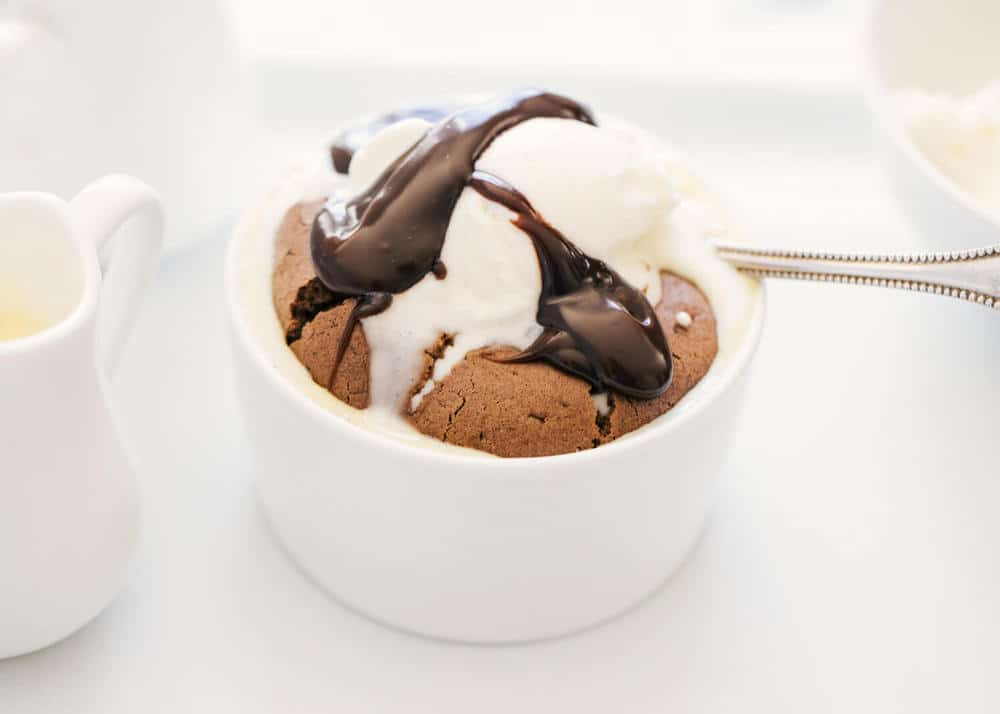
122, 206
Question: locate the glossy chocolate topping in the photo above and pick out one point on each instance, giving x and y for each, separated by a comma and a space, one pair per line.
597, 326
389, 237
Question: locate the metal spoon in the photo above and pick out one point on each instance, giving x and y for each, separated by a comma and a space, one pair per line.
972, 275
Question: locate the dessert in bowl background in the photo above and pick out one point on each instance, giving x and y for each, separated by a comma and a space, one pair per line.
616, 191
939, 104
960, 135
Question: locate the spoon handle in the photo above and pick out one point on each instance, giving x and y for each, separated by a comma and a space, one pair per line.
972, 275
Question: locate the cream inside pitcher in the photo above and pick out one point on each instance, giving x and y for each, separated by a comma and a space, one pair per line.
41, 274
68, 296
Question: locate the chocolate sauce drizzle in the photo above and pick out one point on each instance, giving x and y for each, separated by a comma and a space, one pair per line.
389, 237
597, 326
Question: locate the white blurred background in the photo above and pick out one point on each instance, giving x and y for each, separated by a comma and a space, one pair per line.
766, 38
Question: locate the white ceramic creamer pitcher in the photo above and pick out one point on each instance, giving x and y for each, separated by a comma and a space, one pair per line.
68, 507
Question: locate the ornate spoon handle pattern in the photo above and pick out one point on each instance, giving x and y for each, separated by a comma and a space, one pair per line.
972, 275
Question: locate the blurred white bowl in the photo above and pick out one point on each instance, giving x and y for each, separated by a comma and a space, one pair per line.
934, 46
146, 87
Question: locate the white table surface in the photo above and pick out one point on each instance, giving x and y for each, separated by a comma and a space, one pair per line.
851, 564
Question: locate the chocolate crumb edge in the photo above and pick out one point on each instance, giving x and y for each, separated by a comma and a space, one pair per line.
311, 300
